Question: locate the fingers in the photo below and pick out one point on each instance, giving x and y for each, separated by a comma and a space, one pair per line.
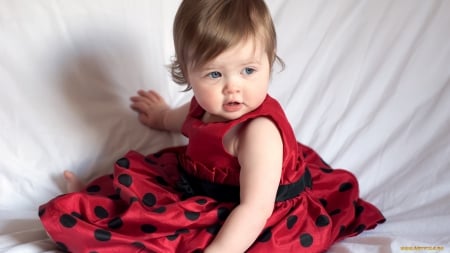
150, 107
139, 105
149, 96
145, 100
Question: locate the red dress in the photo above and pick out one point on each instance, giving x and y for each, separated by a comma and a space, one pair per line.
177, 199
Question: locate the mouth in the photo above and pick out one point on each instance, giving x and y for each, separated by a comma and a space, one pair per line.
232, 106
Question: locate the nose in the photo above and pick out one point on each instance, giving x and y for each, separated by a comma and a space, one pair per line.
232, 87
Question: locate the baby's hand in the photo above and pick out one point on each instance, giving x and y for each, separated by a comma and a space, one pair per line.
151, 108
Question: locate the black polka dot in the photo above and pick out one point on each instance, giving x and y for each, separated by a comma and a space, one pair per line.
198, 251
358, 210
161, 181
149, 199
67, 220
93, 188
214, 229
123, 162
182, 231
265, 235
102, 235
360, 228
125, 180
61, 246
138, 245
172, 237
191, 215
41, 212
324, 202
177, 233
160, 209
326, 170
345, 187
322, 221
335, 211
222, 213
291, 220
306, 240
201, 201
133, 199
115, 223
101, 212
148, 229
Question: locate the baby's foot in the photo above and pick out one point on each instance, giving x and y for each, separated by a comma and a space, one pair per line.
73, 184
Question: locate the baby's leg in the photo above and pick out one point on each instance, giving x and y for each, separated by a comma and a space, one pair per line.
73, 184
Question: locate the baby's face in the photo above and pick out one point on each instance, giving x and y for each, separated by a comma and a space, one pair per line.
234, 83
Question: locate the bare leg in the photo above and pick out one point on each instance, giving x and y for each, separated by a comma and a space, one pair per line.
73, 184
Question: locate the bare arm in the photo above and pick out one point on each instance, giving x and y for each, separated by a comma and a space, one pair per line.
260, 153
154, 112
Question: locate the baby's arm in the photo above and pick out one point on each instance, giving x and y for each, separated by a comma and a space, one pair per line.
260, 153
154, 112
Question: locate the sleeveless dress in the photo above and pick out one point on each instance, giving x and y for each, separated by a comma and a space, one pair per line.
176, 200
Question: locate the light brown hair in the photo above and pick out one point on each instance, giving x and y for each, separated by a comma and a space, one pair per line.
203, 29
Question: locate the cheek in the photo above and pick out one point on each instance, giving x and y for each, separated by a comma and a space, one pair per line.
201, 91
205, 97
207, 103
261, 85
259, 91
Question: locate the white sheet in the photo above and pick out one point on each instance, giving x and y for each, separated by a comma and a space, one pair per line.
367, 84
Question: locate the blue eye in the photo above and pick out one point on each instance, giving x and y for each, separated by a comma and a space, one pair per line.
249, 71
215, 74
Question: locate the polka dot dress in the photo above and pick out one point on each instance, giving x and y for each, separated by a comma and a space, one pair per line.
176, 200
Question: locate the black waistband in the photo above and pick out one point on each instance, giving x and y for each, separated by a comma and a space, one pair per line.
192, 186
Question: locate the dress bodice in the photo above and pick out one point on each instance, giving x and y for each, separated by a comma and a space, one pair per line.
206, 157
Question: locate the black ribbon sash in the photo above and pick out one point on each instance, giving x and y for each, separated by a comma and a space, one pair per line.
192, 186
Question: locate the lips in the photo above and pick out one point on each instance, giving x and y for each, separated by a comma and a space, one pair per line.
232, 106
